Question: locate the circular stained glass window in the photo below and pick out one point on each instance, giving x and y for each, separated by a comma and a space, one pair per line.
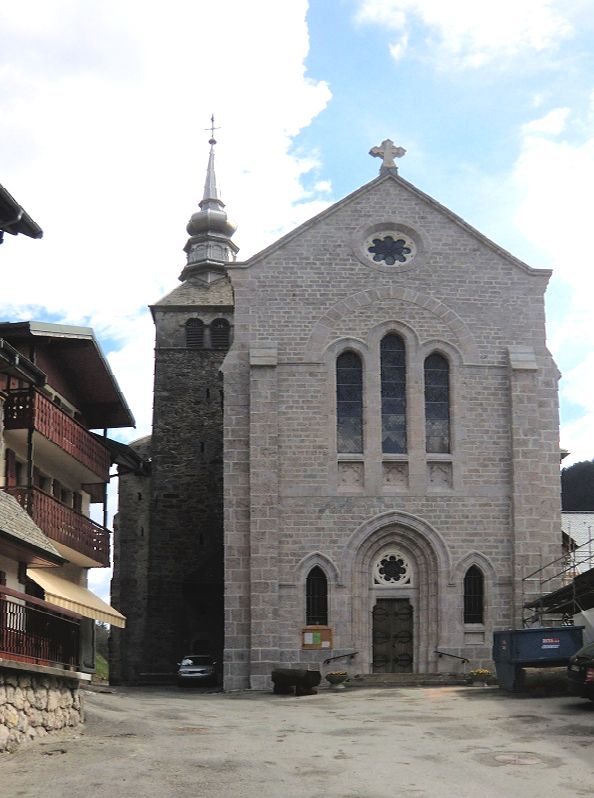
392, 568
390, 248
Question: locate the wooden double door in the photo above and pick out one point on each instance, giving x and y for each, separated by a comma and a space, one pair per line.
393, 636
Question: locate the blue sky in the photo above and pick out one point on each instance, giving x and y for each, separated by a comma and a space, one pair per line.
102, 139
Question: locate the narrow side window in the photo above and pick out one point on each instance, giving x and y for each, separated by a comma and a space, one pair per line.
195, 334
437, 404
349, 403
220, 334
393, 377
316, 598
474, 595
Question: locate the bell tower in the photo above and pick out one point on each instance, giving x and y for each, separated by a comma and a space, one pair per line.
179, 604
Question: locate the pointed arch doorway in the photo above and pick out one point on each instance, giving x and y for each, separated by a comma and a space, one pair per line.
393, 579
415, 562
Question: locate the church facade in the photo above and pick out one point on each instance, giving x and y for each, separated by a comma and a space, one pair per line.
355, 446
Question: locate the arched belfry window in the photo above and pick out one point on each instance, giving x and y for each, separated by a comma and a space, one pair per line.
349, 402
393, 377
316, 598
437, 404
220, 334
474, 595
195, 334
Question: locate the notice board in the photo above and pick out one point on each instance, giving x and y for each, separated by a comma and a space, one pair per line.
316, 637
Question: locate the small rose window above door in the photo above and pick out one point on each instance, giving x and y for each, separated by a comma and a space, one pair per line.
392, 568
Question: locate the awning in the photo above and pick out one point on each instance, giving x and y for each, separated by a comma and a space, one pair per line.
75, 598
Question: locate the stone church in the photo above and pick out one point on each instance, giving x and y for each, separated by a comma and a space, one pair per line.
354, 451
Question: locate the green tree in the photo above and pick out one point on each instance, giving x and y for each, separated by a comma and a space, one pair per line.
577, 486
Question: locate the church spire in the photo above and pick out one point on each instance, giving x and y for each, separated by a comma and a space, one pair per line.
209, 247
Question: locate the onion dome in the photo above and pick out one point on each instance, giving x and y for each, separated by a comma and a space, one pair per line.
209, 247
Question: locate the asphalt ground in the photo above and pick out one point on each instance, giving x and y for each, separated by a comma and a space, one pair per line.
351, 743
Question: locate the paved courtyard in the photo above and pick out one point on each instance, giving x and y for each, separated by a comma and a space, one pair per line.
355, 743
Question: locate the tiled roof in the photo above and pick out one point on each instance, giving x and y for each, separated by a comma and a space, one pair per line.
195, 292
15, 522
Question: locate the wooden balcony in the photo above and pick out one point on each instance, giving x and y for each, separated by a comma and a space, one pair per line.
30, 409
65, 525
34, 631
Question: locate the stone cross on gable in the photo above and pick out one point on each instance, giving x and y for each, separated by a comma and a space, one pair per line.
387, 150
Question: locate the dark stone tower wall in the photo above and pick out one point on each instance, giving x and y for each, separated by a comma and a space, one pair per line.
185, 560
130, 575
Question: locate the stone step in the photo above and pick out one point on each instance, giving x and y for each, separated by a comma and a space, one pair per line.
406, 679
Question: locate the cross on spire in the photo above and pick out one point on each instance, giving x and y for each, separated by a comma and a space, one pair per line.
212, 129
387, 150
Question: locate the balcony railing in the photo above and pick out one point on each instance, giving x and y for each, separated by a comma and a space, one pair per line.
34, 631
65, 525
30, 409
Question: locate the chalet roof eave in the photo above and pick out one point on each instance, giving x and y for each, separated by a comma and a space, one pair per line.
14, 219
13, 363
97, 360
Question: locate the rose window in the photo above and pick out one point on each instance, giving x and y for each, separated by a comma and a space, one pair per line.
390, 249
392, 568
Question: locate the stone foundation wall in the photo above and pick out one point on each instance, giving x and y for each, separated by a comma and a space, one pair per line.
33, 706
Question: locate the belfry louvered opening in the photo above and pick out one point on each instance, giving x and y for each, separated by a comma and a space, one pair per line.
195, 334
220, 334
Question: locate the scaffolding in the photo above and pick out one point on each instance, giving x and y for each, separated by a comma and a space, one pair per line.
553, 594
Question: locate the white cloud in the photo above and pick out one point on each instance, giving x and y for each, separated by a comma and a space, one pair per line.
473, 33
104, 110
552, 123
551, 181
99, 582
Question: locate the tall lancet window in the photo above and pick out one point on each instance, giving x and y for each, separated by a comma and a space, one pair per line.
316, 598
349, 402
393, 375
437, 404
474, 595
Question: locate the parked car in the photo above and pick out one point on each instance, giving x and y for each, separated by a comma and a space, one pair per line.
196, 669
581, 672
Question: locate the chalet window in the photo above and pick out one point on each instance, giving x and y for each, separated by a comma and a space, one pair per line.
393, 388
437, 404
220, 334
349, 403
474, 595
195, 334
316, 598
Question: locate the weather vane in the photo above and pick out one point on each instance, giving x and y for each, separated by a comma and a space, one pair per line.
212, 129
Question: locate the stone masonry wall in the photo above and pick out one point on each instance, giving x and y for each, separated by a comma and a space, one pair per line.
185, 547
492, 501
33, 706
129, 584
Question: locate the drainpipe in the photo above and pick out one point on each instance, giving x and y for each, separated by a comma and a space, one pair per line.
105, 492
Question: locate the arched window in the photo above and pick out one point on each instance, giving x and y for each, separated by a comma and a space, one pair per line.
437, 404
349, 402
474, 595
219, 334
316, 598
195, 334
393, 374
